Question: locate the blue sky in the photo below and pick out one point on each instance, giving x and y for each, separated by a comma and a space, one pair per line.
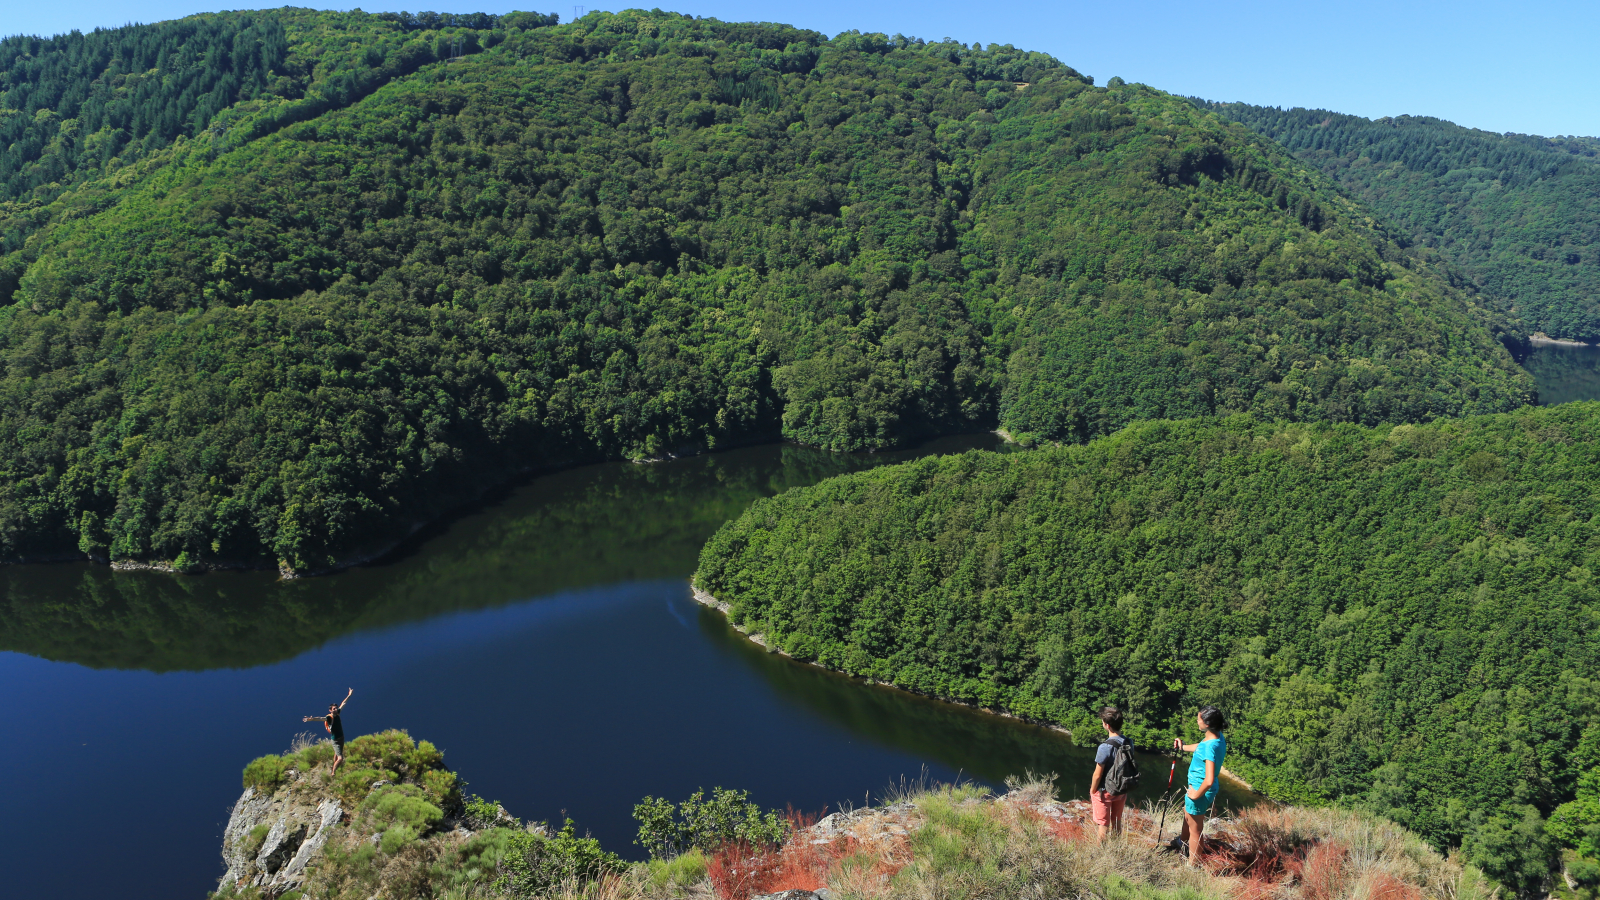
1525, 66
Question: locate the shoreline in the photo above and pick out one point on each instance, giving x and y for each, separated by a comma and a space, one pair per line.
1541, 339
376, 553
474, 501
760, 640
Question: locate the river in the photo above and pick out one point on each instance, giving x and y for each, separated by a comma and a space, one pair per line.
547, 642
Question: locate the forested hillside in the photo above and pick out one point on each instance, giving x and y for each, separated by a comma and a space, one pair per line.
379, 281
1517, 214
1402, 618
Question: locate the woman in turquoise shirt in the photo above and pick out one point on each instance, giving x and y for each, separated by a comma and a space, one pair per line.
1205, 775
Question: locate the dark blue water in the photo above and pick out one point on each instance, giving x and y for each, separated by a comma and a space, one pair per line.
548, 644
584, 701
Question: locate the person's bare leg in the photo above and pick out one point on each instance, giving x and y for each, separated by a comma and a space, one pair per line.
1194, 827
1100, 837
336, 760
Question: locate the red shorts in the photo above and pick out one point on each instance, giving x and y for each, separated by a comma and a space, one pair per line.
1107, 807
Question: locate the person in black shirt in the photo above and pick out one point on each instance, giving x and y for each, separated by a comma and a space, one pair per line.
335, 728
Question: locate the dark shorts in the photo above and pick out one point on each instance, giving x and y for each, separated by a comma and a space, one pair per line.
338, 748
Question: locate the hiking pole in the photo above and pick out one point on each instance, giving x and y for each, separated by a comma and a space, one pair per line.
1166, 798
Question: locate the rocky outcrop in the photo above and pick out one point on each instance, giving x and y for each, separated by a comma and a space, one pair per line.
272, 838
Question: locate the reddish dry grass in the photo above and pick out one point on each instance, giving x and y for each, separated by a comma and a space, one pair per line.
738, 870
1065, 830
1319, 867
801, 866
1387, 887
1322, 872
1264, 848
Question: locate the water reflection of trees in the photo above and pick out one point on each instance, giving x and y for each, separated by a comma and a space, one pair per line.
1564, 374
981, 745
594, 525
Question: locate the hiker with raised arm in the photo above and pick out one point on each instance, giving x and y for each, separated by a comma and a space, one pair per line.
1115, 773
1205, 777
335, 729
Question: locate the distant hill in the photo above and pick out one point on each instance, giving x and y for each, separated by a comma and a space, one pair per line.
281, 285
1518, 214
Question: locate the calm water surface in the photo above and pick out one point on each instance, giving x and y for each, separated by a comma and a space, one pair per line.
547, 643
1564, 374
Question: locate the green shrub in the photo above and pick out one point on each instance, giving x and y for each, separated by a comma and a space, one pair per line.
400, 805
251, 845
390, 750
668, 877
442, 787
481, 813
394, 751
666, 830
478, 860
355, 782
397, 838
265, 773
532, 864
423, 758
315, 755
400, 813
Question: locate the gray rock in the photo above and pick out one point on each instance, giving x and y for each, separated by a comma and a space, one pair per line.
298, 827
281, 845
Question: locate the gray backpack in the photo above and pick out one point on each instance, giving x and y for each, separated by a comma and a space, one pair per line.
1122, 773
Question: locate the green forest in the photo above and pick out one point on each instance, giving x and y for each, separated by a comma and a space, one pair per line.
280, 286
1516, 215
1403, 619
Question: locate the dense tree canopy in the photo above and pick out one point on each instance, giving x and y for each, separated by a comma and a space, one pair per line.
1404, 618
1518, 214
344, 305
